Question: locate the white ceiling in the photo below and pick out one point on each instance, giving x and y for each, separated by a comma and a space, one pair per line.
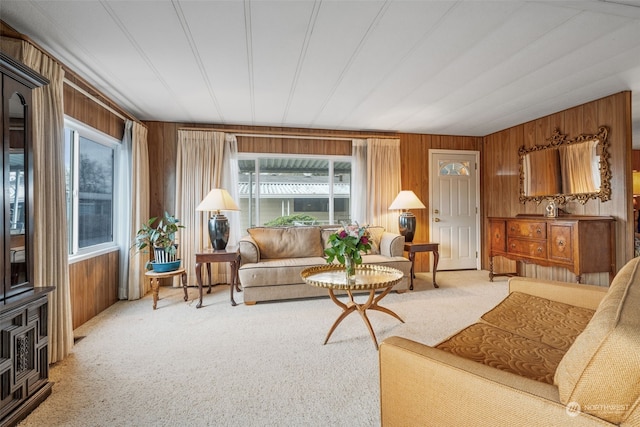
437, 67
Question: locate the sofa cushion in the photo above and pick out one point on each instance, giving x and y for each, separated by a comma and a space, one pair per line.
486, 344
549, 322
287, 242
600, 371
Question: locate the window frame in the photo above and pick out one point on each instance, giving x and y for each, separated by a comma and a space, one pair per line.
83, 130
256, 157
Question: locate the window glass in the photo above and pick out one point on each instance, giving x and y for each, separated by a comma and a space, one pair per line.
90, 177
293, 190
449, 167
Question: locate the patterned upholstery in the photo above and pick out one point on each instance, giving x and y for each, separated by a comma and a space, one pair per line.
524, 335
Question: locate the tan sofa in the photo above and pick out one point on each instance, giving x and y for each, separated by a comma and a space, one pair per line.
551, 354
273, 257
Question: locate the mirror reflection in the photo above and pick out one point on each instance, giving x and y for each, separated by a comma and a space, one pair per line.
566, 169
17, 194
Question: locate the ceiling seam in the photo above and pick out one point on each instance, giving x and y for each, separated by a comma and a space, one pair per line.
407, 55
351, 60
520, 76
137, 47
186, 29
301, 58
249, 47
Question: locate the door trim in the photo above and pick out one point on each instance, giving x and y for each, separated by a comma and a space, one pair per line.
476, 154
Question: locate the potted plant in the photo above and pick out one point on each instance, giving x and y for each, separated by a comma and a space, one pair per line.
161, 236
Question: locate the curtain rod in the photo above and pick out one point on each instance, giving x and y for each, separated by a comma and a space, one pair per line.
290, 135
96, 100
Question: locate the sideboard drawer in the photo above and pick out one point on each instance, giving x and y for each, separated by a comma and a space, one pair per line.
534, 230
528, 247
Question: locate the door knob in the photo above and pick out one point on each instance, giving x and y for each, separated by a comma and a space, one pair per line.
436, 219
436, 211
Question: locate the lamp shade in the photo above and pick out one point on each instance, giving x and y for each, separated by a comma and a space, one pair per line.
636, 183
407, 199
217, 200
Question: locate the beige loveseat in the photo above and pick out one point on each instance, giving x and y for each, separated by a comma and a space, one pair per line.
273, 257
551, 354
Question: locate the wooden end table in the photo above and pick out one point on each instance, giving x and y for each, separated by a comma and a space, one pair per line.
155, 282
413, 247
230, 255
368, 278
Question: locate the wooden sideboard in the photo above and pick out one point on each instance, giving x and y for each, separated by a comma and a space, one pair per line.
581, 244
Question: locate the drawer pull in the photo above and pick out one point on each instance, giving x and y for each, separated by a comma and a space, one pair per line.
539, 250
538, 231
560, 242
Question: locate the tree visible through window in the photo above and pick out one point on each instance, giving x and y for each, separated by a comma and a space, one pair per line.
274, 190
90, 174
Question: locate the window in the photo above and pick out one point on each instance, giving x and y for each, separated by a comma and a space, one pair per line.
90, 159
293, 190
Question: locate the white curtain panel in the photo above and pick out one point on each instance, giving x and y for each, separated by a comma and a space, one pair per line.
50, 216
199, 167
383, 181
136, 284
230, 174
359, 182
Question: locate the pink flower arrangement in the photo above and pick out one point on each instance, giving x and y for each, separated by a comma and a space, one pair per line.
348, 241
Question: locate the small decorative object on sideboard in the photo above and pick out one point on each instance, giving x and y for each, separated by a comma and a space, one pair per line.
162, 238
346, 245
551, 211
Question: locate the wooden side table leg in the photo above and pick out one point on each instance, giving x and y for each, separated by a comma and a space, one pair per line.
209, 276
155, 288
436, 257
184, 286
199, 280
412, 256
234, 274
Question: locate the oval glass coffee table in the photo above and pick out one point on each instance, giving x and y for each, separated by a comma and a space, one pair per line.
368, 278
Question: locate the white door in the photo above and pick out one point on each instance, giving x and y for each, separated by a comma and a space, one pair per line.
454, 212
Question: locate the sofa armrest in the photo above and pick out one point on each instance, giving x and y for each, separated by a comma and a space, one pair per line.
391, 244
585, 296
249, 250
425, 386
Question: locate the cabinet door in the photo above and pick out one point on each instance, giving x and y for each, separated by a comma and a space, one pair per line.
17, 183
561, 242
498, 240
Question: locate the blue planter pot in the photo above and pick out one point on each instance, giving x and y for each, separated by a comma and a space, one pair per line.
163, 267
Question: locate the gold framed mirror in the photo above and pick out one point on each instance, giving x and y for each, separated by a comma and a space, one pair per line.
566, 169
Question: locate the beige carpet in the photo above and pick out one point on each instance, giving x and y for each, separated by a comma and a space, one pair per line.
261, 365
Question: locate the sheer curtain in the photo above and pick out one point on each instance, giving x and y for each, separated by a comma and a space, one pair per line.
50, 216
135, 283
359, 181
200, 167
383, 181
123, 209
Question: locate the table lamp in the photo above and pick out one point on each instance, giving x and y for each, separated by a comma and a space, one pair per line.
406, 200
218, 200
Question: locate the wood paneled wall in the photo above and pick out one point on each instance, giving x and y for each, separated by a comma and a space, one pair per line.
414, 150
93, 282
87, 111
94, 286
501, 176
